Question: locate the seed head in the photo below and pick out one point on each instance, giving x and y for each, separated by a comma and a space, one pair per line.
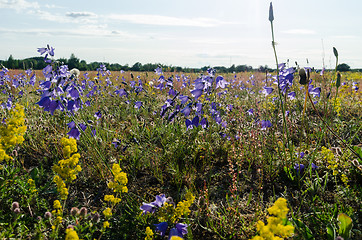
302, 76
271, 14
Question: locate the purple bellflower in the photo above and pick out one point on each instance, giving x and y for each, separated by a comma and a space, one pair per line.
299, 167
161, 227
153, 206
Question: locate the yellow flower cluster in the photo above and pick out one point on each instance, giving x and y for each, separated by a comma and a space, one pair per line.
11, 133
61, 187
275, 224
112, 199
71, 234
31, 183
329, 157
107, 212
57, 208
105, 224
176, 238
120, 180
337, 106
149, 234
336, 165
182, 208
68, 168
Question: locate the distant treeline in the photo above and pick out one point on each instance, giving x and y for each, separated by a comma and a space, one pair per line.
38, 63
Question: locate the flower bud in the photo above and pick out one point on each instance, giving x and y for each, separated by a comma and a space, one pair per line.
83, 211
335, 52
70, 226
17, 210
302, 77
47, 215
74, 211
96, 217
271, 14
14, 205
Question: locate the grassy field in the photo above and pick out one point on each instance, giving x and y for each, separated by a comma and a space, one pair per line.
90, 157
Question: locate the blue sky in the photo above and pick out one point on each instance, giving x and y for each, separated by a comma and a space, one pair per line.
185, 33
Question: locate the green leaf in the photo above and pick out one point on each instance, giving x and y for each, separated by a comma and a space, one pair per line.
250, 197
357, 150
345, 225
331, 232
303, 229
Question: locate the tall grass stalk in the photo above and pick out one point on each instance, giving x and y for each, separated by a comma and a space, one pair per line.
285, 129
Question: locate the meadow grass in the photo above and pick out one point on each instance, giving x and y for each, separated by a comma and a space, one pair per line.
236, 166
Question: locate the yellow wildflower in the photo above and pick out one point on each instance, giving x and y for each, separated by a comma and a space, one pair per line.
149, 233
71, 234
57, 204
105, 224
107, 213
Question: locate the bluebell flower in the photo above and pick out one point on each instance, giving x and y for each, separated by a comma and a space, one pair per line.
153, 206
138, 104
315, 91
98, 115
250, 111
267, 90
355, 86
220, 82
158, 71
196, 93
299, 167
211, 72
74, 133
291, 95
314, 167
162, 228
204, 124
196, 121
182, 228
265, 124
183, 98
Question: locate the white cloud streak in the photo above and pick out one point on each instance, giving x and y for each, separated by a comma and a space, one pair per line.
18, 4
166, 20
81, 14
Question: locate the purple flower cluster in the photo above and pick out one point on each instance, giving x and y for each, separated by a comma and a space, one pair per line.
180, 229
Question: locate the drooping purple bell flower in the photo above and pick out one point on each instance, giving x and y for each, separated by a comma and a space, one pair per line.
162, 228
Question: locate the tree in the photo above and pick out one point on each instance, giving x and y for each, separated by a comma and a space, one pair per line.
343, 67
73, 61
136, 67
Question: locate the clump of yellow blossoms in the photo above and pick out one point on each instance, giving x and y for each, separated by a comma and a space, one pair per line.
71, 234
32, 187
149, 234
183, 208
275, 224
67, 168
118, 186
120, 180
335, 164
11, 131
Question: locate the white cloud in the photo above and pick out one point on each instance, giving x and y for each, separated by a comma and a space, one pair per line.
94, 31
18, 4
80, 14
300, 31
166, 20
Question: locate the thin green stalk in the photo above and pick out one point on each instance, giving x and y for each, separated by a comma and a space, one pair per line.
285, 129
